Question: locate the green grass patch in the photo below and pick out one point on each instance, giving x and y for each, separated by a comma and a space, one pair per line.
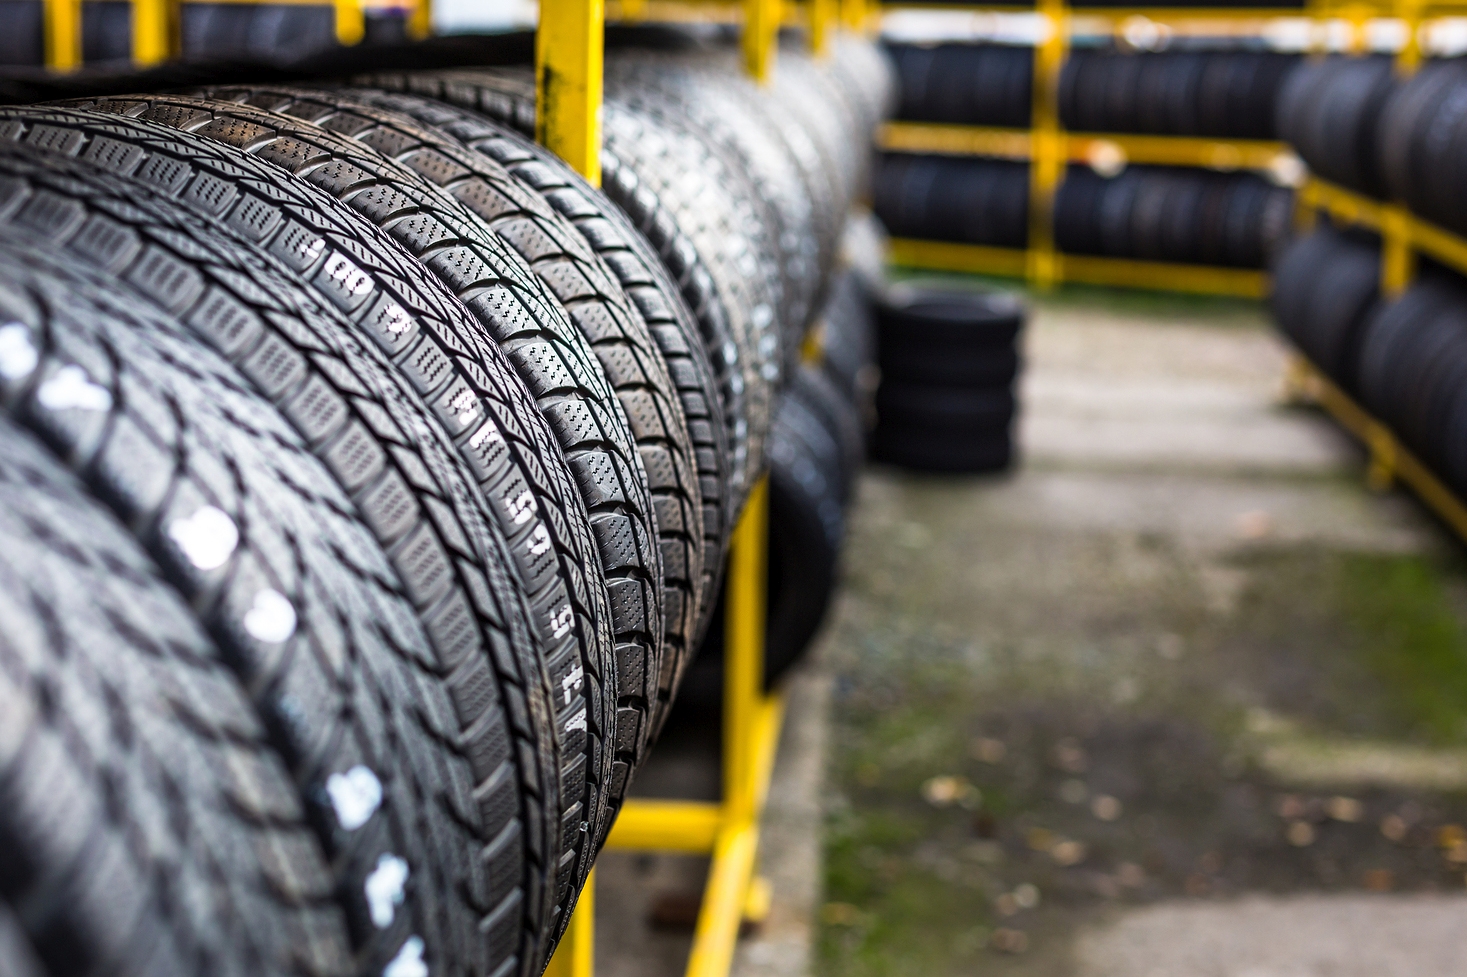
1412, 639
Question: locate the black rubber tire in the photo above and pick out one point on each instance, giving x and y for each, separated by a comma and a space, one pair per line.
950, 338
641, 274
305, 606
17, 956
147, 823
414, 699
611, 325
807, 492
521, 319
708, 261
849, 343
1325, 286
355, 259
944, 408
724, 108
919, 448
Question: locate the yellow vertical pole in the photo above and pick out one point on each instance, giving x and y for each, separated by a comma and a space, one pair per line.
152, 31
1047, 148
853, 14
63, 34
822, 16
570, 47
743, 670
1397, 255
575, 956
1408, 59
420, 22
351, 21
761, 38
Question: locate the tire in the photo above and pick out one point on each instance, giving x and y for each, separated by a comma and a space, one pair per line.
148, 824
806, 531
598, 307
1325, 286
520, 318
723, 106
948, 338
641, 274
277, 212
849, 344
977, 452
405, 638
953, 409
708, 262
17, 957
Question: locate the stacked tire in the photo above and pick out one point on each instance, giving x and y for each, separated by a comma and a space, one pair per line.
1144, 212
367, 476
1173, 214
1223, 94
1326, 285
1330, 111
949, 360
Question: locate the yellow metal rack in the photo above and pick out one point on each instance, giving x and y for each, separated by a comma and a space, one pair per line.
569, 69
569, 57
1049, 149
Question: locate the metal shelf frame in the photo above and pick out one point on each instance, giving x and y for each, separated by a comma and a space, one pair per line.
570, 55
1049, 148
1389, 460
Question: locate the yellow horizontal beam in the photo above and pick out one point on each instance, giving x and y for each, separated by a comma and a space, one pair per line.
1082, 147
649, 825
1383, 445
978, 259
1421, 235
1163, 276
692, 12
955, 140
1217, 154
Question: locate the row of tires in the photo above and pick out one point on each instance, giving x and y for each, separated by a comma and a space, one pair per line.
1404, 359
1149, 213
1359, 124
275, 32
367, 477
1225, 94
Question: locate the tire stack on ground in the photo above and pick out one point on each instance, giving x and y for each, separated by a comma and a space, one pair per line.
1145, 212
949, 361
366, 481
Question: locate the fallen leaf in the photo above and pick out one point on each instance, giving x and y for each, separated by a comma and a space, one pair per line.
1450, 835
988, 750
1040, 839
1009, 941
1346, 809
1026, 895
1068, 853
1300, 833
1070, 756
1105, 807
1394, 827
839, 914
1380, 880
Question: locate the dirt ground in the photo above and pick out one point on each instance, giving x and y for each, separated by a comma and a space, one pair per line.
1178, 697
